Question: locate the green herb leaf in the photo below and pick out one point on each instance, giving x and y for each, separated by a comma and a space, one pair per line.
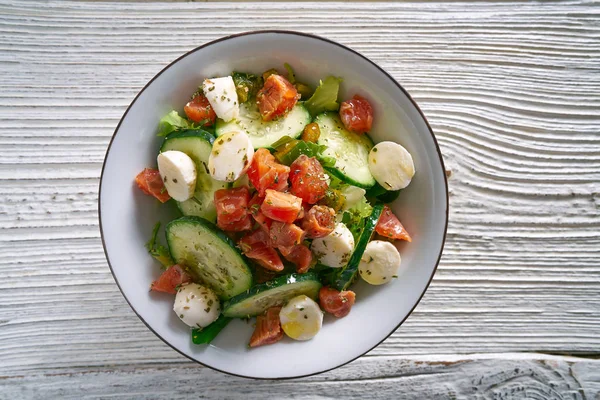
207, 334
290, 71
173, 122
288, 149
325, 96
354, 218
157, 250
246, 85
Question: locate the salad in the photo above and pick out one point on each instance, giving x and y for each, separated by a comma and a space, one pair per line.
283, 200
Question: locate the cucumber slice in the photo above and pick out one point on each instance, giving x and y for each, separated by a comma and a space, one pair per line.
197, 144
273, 293
350, 150
347, 275
264, 134
209, 256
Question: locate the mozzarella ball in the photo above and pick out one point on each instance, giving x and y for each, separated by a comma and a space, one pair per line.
178, 173
391, 165
301, 318
380, 262
222, 96
335, 249
197, 306
230, 157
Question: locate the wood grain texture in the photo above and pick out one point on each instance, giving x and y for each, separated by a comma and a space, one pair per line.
489, 377
511, 89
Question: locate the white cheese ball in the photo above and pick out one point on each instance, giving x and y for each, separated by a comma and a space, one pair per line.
335, 249
197, 306
230, 156
301, 318
380, 262
178, 173
391, 165
222, 96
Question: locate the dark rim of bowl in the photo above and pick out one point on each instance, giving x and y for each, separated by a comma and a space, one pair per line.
284, 32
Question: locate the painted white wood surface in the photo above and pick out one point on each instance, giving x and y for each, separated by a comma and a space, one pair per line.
512, 90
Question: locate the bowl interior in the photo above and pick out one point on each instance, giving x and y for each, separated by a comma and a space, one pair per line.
127, 216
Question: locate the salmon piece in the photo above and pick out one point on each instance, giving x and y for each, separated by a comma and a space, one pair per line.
280, 206
245, 224
336, 302
301, 256
268, 328
319, 221
276, 98
256, 246
254, 208
285, 236
169, 280
266, 173
231, 205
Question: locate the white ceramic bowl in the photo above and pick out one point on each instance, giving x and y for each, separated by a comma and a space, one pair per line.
127, 216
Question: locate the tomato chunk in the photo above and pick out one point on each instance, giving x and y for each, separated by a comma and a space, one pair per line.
169, 280
308, 179
390, 227
276, 97
266, 173
357, 114
336, 302
199, 110
280, 206
150, 182
285, 236
254, 208
301, 256
268, 328
256, 246
319, 221
231, 205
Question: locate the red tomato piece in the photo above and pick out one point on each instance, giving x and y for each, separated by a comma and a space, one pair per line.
151, 183
357, 114
280, 206
319, 221
336, 302
256, 246
266, 173
276, 98
169, 280
199, 110
285, 236
390, 227
301, 256
268, 328
308, 179
231, 205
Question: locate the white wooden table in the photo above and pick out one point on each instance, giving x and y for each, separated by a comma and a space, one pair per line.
512, 91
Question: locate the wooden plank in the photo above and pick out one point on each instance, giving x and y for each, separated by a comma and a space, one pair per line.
487, 377
512, 91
